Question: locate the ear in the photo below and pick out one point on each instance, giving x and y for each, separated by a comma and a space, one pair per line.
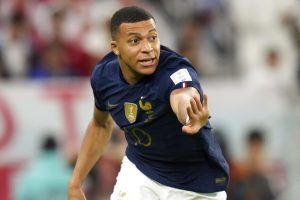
114, 47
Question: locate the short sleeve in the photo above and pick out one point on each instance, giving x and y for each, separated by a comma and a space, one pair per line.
185, 77
97, 95
180, 77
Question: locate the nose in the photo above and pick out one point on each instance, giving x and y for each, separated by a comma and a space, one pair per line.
146, 47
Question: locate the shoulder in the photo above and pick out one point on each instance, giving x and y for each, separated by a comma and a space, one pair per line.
175, 71
170, 61
105, 69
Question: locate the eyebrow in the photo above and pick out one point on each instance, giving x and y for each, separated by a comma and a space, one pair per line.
135, 33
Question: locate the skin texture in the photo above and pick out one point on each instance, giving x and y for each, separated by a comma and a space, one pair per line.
135, 43
96, 137
186, 104
138, 48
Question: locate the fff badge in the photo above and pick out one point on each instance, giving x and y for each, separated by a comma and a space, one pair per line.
130, 111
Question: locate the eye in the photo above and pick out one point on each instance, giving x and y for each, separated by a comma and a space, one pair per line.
134, 41
153, 38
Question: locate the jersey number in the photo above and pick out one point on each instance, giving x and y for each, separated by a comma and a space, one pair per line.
140, 136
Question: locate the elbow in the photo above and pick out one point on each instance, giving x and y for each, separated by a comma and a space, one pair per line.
106, 124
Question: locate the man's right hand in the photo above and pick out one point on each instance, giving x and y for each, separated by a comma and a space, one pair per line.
75, 193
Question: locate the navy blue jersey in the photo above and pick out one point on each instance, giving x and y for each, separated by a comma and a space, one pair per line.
156, 143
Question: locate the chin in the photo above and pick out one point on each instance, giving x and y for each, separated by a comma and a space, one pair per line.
148, 70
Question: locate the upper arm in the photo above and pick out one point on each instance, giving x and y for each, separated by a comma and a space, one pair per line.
180, 100
182, 84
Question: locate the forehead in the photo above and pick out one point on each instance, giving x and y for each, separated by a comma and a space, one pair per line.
138, 27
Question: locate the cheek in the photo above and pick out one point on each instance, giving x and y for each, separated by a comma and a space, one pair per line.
157, 44
130, 58
157, 48
130, 54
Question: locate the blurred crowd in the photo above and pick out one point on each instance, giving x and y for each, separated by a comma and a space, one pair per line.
257, 177
52, 38
252, 40
46, 175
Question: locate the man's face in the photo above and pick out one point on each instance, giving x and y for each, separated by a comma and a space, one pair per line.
138, 48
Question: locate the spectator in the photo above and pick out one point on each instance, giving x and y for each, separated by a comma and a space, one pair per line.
16, 47
3, 73
254, 185
273, 78
53, 63
46, 177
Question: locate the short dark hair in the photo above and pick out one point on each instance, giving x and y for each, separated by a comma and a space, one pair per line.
256, 136
49, 143
129, 14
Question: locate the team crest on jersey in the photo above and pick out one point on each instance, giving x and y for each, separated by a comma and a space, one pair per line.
146, 106
130, 111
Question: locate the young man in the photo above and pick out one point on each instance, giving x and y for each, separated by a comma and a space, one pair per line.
153, 94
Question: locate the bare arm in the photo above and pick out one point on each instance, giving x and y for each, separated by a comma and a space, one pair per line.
96, 137
186, 104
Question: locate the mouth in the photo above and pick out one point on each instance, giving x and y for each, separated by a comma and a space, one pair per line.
147, 62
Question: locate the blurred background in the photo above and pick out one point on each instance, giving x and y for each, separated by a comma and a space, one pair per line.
247, 53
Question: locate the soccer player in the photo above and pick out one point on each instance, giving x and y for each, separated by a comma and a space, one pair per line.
154, 95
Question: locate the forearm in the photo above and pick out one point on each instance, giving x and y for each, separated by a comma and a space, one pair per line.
181, 111
181, 101
95, 139
190, 111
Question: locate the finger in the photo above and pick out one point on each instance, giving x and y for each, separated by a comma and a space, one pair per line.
198, 102
194, 106
205, 100
188, 130
185, 129
190, 112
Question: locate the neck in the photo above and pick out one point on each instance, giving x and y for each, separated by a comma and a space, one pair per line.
129, 75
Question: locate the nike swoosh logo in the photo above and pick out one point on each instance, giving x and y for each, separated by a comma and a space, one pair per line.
111, 106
